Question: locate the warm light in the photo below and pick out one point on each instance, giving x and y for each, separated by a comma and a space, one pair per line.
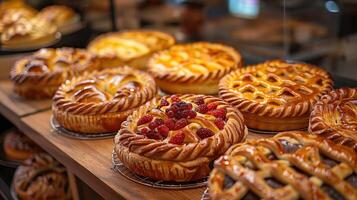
331, 6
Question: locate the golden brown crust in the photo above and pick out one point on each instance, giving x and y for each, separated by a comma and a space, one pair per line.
291, 165
59, 15
98, 102
40, 75
193, 68
276, 90
131, 48
335, 117
164, 160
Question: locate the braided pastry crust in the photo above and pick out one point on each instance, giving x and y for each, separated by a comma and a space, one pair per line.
193, 68
275, 95
132, 48
100, 101
181, 153
39, 75
291, 165
335, 117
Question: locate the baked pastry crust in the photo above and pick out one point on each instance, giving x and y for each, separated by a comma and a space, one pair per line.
41, 177
99, 102
132, 48
183, 154
39, 75
193, 68
335, 117
291, 165
275, 95
19, 147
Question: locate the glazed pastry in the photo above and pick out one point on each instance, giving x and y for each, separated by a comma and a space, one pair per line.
100, 101
11, 16
335, 117
193, 68
41, 177
19, 147
175, 138
275, 95
131, 48
291, 165
39, 75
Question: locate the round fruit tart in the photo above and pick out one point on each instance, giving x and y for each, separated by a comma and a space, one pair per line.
98, 102
39, 75
132, 48
193, 68
335, 117
175, 138
276, 95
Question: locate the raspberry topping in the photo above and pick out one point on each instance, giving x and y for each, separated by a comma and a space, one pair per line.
178, 138
170, 123
157, 122
199, 101
219, 123
153, 135
212, 106
202, 108
175, 98
204, 133
163, 130
181, 123
145, 119
219, 113
164, 102
144, 131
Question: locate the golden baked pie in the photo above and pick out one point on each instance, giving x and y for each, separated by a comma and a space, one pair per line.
41, 177
176, 137
275, 95
99, 102
133, 48
19, 147
39, 75
291, 165
335, 117
193, 68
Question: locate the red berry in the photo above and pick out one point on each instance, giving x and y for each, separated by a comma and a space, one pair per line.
170, 123
202, 108
199, 101
170, 113
219, 123
219, 113
175, 98
164, 102
155, 123
178, 138
191, 114
153, 135
204, 133
212, 105
181, 123
145, 119
144, 131
163, 130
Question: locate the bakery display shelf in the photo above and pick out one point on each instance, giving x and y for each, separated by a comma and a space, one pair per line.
3, 160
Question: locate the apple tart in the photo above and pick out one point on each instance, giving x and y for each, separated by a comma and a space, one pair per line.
175, 138
335, 117
193, 68
100, 101
291, 165
39, 75
275, 95
132, 48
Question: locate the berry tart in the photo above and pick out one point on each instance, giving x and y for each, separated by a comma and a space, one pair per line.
275, 95
132, 48
98, 102
193, 68
290, 165
335, 117
175, 138
41, 177
39, 75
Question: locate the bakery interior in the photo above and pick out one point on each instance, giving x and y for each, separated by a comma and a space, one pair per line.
178, 99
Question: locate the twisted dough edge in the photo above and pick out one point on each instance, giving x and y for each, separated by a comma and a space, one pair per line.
249, 106
171, 162
214, 76
317, 124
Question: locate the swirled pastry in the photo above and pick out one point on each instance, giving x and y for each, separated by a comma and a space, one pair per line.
99, 102
275, 95
176, 137
19, 147
41, 177
193, 68
132, 48
291, 165
335, 117
39, 75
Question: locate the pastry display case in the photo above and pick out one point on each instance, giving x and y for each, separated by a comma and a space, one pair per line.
178, 99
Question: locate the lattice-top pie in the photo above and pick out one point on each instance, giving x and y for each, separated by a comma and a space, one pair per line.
335, 117
176, 137
193, 68
291, 165
275, 95
39, 75
130, 47
100, 101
